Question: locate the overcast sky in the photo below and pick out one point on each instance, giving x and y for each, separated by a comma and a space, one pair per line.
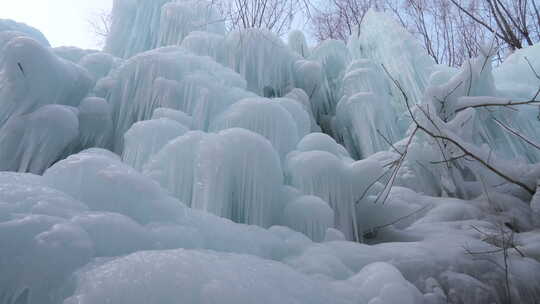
64, 22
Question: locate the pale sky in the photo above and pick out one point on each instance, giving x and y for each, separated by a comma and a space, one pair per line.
64, 22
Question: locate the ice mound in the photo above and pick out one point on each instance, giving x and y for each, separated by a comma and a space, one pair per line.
226, 192
172, 78
28, 194
322, 142
258, 55
146, 138
113, 234
311, 216
95, 124
514, 77
176, 115
198, 277
336, 179
206, 44
32, 76
44, 113
262, 59
266, 117
309, 76
100, 180
211, 172
179, 18
364, 121
39, 252
33, 142
98, 64
7, 25
385, 42
366, 118
382, 283
334, 57
297, 43
139, 25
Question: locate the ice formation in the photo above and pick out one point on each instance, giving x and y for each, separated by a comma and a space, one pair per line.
186, 163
